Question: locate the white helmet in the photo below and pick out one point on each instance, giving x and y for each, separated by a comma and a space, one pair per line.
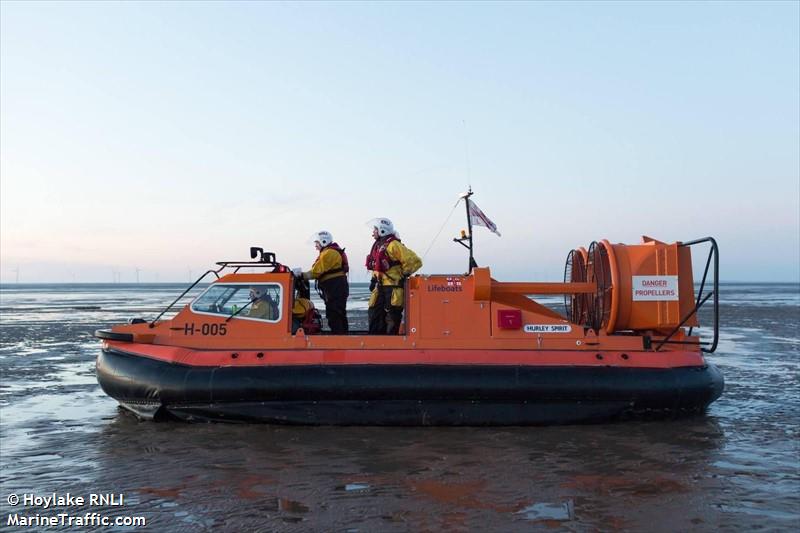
324, 238
257, 292
383, 225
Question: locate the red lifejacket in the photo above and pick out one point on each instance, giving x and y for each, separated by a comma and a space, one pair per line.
378, 259
312, 322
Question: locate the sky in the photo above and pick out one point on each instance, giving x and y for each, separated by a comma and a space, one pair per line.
153, 139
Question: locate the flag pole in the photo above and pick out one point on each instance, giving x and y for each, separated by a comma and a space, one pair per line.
467, 237
480, 220
472, 263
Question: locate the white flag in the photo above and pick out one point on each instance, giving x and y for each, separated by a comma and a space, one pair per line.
477, 218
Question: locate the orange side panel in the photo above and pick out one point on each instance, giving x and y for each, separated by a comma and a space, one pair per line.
215, 358
446, 309
535, 319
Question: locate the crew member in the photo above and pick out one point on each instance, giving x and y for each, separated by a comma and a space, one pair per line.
390, 262
330, 270
304, 314
263, 306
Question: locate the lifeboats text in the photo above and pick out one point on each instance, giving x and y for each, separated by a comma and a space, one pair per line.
445, 288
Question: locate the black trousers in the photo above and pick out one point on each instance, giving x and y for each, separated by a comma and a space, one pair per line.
384, 318
335, 292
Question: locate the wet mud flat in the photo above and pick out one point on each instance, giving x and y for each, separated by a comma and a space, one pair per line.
735, 467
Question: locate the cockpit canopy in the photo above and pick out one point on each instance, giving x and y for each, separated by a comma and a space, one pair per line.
252, 301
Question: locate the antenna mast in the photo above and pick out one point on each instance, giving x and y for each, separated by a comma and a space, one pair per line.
467, 237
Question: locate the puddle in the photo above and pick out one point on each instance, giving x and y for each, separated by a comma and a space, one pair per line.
351, 487
42, 457
548, 511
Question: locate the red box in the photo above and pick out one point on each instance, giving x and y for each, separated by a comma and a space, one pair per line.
509, 318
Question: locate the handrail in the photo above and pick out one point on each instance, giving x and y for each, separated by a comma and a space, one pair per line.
266, 259
251, 264
192, 286
713, 253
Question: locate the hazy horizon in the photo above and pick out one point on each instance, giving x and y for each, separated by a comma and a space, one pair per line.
184, 283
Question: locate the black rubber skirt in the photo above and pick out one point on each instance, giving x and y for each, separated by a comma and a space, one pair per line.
456, 395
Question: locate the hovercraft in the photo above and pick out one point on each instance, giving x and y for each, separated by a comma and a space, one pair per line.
471, 350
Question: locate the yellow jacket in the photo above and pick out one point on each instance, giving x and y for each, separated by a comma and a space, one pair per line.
261, 309
327, 261
301, 307
409, 263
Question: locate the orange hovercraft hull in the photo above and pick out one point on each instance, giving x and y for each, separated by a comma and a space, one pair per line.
472, 351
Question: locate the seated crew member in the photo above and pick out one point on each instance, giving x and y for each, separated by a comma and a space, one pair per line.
263, 306
330, 270
304, 314
390, 262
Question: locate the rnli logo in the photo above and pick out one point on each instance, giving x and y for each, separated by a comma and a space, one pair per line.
452, 284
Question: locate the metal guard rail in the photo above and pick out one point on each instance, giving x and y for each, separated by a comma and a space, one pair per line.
267, 260
713, 254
